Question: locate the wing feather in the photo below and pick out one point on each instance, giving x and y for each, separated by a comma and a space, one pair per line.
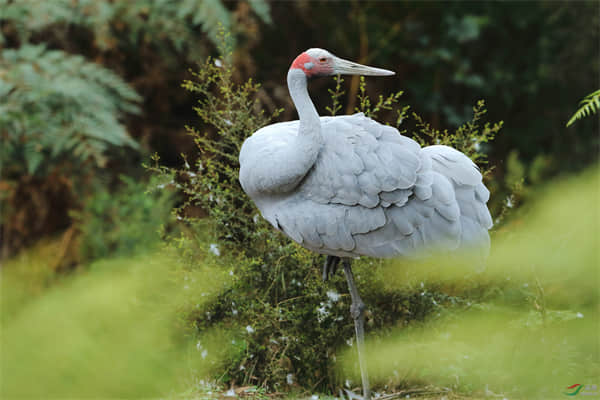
372, 191
354, 167
470, 192
453, 164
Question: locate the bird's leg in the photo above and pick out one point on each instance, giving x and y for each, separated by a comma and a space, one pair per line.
357, 310
330, 267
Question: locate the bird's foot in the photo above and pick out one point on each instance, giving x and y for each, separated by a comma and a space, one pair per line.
350, 395
330, 267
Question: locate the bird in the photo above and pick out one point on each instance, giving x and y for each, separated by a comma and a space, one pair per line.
347, 186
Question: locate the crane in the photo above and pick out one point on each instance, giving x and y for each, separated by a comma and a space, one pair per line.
348, 186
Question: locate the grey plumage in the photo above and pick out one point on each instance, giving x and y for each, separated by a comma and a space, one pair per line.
370, 191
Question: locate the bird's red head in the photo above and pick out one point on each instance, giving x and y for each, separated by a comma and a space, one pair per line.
314, 62
319, 62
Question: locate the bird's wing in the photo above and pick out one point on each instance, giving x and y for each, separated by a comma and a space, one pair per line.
364, 163
271, 147
369, 188
454, 216
372, 191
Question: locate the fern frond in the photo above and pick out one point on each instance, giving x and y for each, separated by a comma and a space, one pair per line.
262, 9
174, 20
589, 105
60, 106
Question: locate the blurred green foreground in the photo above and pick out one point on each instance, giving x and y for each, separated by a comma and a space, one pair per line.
112, 330
109, 332
533, 327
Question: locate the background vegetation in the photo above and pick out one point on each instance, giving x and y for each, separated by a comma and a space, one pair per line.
91, 88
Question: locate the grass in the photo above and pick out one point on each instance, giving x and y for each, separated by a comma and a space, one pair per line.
110, 330
27, 276
113, 328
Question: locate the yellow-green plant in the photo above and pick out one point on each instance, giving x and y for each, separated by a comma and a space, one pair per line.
588, 106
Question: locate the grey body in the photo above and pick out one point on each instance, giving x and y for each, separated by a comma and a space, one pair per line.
370, 191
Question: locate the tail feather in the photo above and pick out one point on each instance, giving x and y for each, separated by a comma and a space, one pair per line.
471, 194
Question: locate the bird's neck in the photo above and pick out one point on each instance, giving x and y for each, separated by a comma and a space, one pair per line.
310, 124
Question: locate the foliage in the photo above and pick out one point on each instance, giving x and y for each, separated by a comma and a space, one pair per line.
382, 103
123, 221
589, 105
60, 116
63, 72
213, 183
336, 94
109, 332
27, 275
134, 21
59, 107
100, 324
470, 138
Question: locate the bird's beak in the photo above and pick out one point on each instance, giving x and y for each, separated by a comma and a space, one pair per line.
345, 67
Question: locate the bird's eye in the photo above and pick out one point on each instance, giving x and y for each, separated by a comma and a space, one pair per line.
322, 59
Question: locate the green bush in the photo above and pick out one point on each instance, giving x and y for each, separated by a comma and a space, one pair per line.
59, 117
123, 221
288, 325
70, 74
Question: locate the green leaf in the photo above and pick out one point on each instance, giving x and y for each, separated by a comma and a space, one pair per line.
33, 156
262, 9
589, 105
